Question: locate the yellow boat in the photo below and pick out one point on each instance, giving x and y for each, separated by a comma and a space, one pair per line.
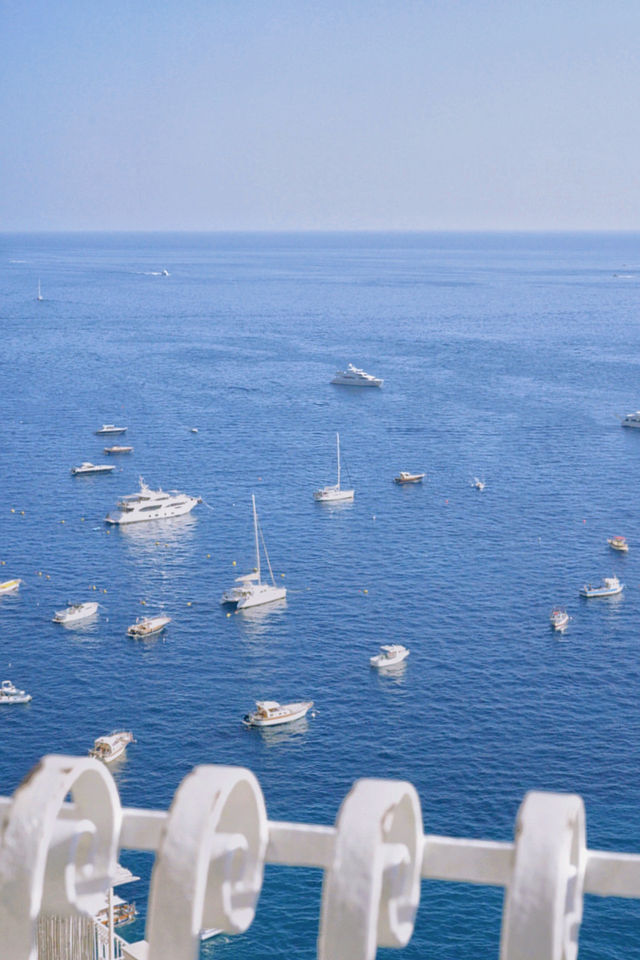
9, 586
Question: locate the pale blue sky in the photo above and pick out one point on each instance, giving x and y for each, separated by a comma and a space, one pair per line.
319, 114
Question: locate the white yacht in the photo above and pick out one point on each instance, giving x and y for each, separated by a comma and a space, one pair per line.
405, 477
147, 626
10, 586
609, 587
151, 505
92, 468
354, 377
112, 746
75, 612
10, 693
331, 494
117, 449
390, 654
251, 591
269, 713
559, 618
632, 419
110, 428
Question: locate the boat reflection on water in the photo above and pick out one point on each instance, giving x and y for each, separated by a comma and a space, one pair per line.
285, 733
151, 538
394, 673
255, 621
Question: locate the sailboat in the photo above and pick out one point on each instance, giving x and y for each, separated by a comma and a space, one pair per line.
40, 297
333, 494
250, 590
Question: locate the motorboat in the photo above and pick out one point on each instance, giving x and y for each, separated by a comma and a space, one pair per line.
250, 590
478, 484
110, 428
147, 626
92, 468
10, 586
116, 449
112, 746
559, 618
150, 504
332, 494
618, 543
354, 377
10, 693
390, 654
405, 477
75, 612
269, 713
609, 587
632, 419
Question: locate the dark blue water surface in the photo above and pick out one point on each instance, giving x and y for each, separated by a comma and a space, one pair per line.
504, 357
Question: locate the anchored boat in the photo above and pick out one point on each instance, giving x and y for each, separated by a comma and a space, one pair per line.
147, 626
609, 587
112, 746
269, 713
390, 654
250, 590
75, 612
10, 693
332, 494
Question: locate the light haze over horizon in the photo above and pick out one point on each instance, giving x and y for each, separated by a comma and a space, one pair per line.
292, 115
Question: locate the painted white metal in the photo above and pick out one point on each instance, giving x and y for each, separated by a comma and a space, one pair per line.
59, 856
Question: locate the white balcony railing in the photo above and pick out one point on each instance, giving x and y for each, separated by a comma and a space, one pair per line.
58, 857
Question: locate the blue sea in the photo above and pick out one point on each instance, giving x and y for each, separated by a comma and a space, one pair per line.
506, 357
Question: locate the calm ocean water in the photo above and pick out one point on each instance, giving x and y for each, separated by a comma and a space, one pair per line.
505, 357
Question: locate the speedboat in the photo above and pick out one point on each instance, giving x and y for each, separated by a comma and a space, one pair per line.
92, 468
619, 543
75, 612
332, 494
112, 746
559, 618
478, 484
147, 626
268, 713
151, 505
609, 587
354, 377
632, 419
117, 449
110, 428
9, 586
390, 653
405, 477
251, 591
10, 693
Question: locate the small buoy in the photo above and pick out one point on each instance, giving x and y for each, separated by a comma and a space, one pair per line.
12, 510
39, 573
47, 577
157, 543
82, 518
188, 603
93, 587
166, 544
259, 478
446, 501
22, 512
108, 531
282, 574
62, 521
104, 590
373, 516
228, 614
234, 563
208, 556
3, 562
584, 521
143, 601
365, 591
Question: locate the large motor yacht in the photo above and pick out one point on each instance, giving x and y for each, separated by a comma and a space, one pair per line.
151, 505
354, 377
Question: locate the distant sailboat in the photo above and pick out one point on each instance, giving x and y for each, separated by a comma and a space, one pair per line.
332, 494
40, 297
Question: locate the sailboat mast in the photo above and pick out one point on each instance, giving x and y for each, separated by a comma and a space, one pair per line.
338, 449
255, 530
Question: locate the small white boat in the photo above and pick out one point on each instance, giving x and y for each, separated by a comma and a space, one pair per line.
75, 612
405, 477
92, 468
250, 590
194, 429
10, 586
112, 746
478, 484
618, 543
390, 653
559, 618
147, 626
609, 587
632, 419
354, 377
333, 494
110, 428
165, 273
10, 693
116, 449
269, 713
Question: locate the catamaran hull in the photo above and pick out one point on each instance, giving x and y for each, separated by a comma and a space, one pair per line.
338, 496
260, 596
